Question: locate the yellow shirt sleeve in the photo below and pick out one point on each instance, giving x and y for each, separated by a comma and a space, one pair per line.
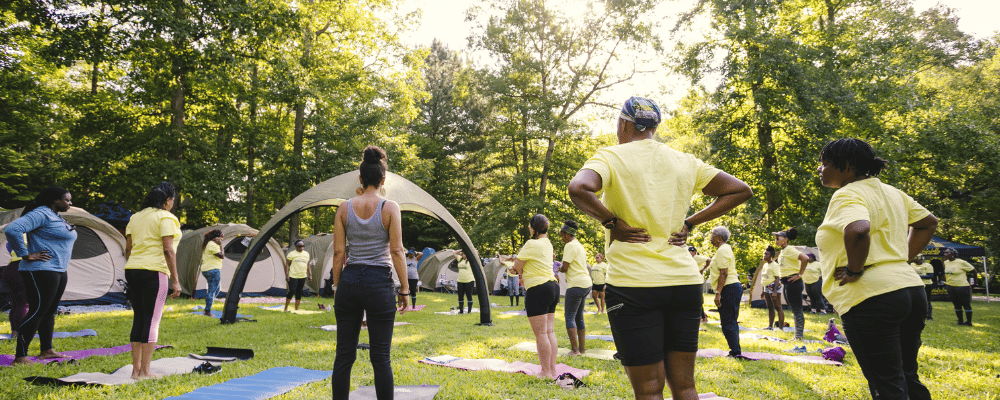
537, 253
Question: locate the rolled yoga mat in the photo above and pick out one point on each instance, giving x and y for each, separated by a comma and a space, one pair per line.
259, 386
7, 359
600, 354
421, 392
57, 335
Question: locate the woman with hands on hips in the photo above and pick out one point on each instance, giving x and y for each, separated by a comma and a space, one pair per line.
646, 189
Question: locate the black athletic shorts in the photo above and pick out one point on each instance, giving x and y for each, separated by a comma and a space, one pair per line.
597, 288
647, 323
541, 299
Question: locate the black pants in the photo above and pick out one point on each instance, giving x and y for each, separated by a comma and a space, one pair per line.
961, 297
815, 291
884, 332
793, 296
295, 286
43, 290
364, 289
147, 290
466, 289
413, 291
729, 313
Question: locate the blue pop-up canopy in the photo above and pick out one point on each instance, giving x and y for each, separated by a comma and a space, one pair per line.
937, 245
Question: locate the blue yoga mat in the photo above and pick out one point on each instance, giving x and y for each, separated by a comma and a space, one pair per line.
218, 314
260, 386
606, 338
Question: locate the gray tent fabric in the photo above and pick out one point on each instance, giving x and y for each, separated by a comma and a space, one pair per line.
97, 261
490, 269
268, 270
336, 190
320, 249
434, 271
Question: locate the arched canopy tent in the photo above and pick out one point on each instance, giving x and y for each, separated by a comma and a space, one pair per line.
333, 192
434, 272
97, 262
267, 276
757, 287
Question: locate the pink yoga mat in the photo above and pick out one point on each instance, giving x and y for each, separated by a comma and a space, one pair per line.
471, 364
7, 359
709, 353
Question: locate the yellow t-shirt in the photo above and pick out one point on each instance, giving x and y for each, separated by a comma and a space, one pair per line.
700, 259
954, 272
649, 185
812, 274
768, 272
208, 259
299, 263
465, 272
723, 260
889, 212
924, 269
599, 273
147, 228
538, 255
576, 275
788, 261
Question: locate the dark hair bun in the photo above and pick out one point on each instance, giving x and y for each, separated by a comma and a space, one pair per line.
792, 233
570, 223
373, 154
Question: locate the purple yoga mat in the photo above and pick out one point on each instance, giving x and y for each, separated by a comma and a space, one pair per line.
709, 353
7, 359
504, 366
55, 335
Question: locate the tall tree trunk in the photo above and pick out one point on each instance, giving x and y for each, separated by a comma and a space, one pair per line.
546, 166
300, 119
772, 193
252, 147
179, 71
94, 71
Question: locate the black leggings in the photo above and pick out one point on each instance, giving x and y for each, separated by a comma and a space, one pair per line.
413, 291
961, 297
43, 290
466, 289
295, 286
147, 290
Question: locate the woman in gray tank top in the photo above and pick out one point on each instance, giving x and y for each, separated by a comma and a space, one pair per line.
369, 226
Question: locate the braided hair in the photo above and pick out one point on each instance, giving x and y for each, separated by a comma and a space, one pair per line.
855, 154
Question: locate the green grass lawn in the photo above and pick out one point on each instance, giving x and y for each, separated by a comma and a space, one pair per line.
956, 362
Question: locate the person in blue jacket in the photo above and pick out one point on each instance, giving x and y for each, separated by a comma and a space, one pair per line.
42, 267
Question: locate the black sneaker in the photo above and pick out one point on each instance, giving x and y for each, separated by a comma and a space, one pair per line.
207, 368
568, 381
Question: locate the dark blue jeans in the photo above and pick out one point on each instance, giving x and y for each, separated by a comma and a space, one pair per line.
214, 278
884, 332
364, 289
576, 297
729, 314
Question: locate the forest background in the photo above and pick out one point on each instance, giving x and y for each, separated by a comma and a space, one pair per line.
244, 104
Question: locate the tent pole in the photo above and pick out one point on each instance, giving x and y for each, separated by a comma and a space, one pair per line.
986, 278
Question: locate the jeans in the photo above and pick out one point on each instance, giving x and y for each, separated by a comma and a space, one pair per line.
364, 289
815, 292
729, 313
793, 296
43, 289
576, 298
884, 332
214, 278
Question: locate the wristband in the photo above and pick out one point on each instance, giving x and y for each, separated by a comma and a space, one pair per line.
689, 225
610, 223
403, 294
853, 274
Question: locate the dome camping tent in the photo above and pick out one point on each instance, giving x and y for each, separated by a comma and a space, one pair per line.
434, 272
96, 270
320, 249
267, 276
